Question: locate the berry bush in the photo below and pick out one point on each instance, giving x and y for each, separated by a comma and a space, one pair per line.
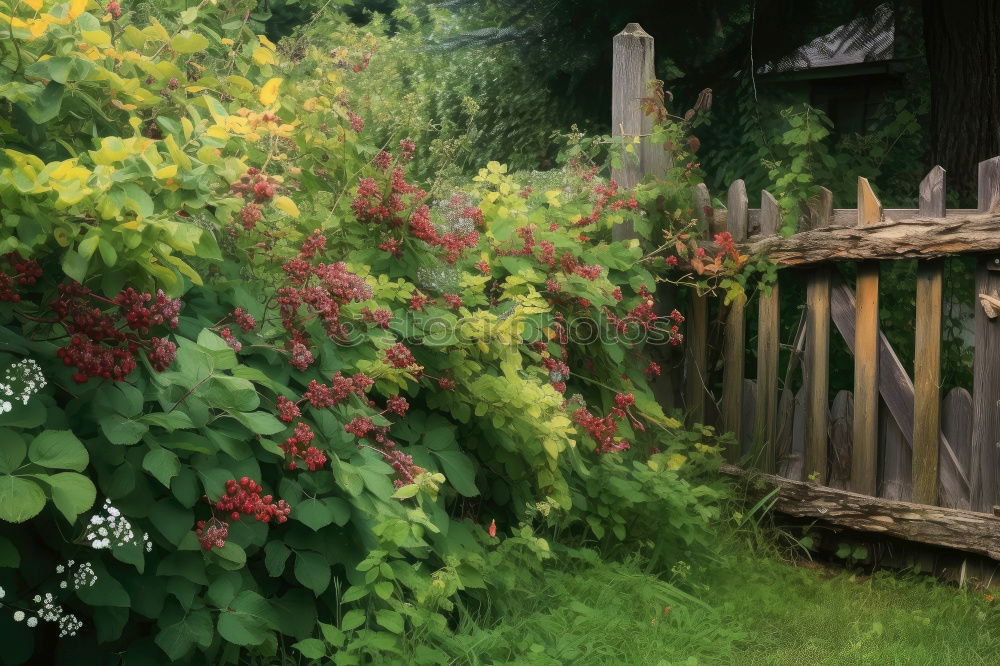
319, 403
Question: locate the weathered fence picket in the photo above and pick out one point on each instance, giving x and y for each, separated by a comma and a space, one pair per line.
768, 331
734, 339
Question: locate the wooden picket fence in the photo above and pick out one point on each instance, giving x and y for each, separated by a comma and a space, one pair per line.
891, 456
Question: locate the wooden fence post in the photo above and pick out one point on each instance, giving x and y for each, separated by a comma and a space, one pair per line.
864, 459
735, 331
984, 471
632, 70
696, 347
927, 354
817, 357
767, 350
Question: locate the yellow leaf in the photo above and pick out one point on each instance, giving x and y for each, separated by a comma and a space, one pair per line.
34, 4
675, 461
168, 171
76, 7
262, 56
267, 42
286, 206
269, 92
96, 37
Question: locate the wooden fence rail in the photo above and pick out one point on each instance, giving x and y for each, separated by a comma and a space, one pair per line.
893, 439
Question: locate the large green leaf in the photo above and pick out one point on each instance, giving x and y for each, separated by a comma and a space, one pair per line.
20, 499
12, 450
459, 470
72, 493
177, 639
162, 464
122, 431
58, 449
313, 571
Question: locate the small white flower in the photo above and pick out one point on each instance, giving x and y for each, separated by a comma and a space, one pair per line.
32, 622
38, 599
60, 568
62, 585
18, 616
3, 593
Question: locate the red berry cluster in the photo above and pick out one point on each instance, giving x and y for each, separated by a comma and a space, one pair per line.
21, 273
340, 389
255, 185
299, 447
399, 356
241, 498
363, 428
603, 194
380, 318
644, 317
115, 10
99, 344
320, 289
558, 369
603, 430
357, 122
227, 335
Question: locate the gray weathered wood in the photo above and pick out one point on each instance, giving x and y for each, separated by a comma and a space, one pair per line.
939, 526
927, 355
848, 217
696, 358
897, 391
633, 69
897, 463
864, 461
767, 351
734, 338
912, 238
956, 425
703, 211
841, 436
985, 466
794, 464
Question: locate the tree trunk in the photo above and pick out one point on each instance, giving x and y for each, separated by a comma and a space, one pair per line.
962, 42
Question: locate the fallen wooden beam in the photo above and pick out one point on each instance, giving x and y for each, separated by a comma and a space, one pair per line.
963, 530
906, 238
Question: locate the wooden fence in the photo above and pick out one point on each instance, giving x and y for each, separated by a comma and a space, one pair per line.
892, 456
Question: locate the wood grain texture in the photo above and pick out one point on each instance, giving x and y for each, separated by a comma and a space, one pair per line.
841, 436
927, 353
896, 389
985, 454
696, 358
749, 415
956, 427
920, 237
864, 461
895, 480
767, 352
817, 356
632, 71
734, 335
968, 531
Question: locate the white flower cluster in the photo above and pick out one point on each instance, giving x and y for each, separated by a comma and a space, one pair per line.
441, 279
449, 212
20, 381
84, 575
50, 611
113, 528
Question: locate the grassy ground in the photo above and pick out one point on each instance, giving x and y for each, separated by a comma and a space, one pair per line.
754, 611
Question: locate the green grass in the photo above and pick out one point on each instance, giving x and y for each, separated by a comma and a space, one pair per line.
751, 611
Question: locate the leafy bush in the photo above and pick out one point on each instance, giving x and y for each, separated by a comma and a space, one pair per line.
218, 301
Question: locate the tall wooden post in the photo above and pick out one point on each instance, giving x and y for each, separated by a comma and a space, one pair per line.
864, 458
735, 332
632, 71
817, 356
765, 421
985, 458
927, 354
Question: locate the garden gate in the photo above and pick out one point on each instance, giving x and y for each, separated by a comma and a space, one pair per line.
891, 457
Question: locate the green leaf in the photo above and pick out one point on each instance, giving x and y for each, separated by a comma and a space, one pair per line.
12, 450
390, 619
459, 470
188, 42
313, 514
332, 634
352, 620
248, 621
20, 499
72, 493
47, 105
58, 449
311, 648
313, 571
233, 553
122, 431
162, 464
74, 266
260, 423
177, 639
170, 421
275, 555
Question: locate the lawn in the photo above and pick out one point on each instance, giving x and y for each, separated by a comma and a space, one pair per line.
743, 611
